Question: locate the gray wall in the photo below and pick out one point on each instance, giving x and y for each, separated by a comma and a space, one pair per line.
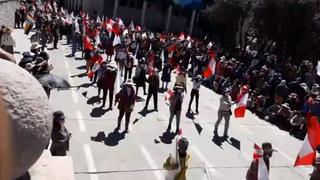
7, 10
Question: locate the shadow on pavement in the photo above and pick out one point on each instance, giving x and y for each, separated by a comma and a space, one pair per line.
167, 137
218, 140
112, 139
82, 67
198, 127
144, 112
235, 143
139, 99
93, 100
98, 112
78, 58
81, 75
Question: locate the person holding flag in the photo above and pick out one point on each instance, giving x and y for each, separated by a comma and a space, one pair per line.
260, 166
176, 101
224, 112
197, 81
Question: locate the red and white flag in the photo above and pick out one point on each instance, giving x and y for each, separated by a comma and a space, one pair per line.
240, 110
258, 153
182, 36
210, 69
263, 172
307, 153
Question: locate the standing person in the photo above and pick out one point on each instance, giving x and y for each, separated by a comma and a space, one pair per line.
126, 100
60, 135
258, 165
224, 112
175, 107
316, 171
166, 76
7, 41
56, 34
154, 82
108, 81
128, 66
140, 77
181, 162
197, 81
44, 36
17, 17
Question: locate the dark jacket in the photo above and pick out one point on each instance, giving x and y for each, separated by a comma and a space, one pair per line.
166, 74
108, 79
60, 141
126, 101
154, 82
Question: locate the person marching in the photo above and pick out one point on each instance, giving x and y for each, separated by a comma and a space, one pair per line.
126, 100
59, 135
224, 112
176, 106
197, 81
128, 66
140, 77
166, 75
107, 81
260, 167
154, 82
183, 160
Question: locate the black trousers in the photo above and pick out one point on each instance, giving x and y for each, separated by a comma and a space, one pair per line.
121, 114
105, 93
55, 41
144, 89
194, 93
127, 73
153, 93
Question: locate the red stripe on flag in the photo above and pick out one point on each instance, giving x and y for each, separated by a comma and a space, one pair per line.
207, 72
305, 160
240, 112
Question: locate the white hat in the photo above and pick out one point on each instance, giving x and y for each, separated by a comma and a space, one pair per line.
129, 82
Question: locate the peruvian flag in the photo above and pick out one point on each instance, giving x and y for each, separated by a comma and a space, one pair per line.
307, 152
87, 44
240, 110
263, 172
116, 29
210, 69
182, 36
258, 153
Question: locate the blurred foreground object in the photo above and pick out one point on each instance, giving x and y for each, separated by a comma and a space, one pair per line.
30, 116
6, 56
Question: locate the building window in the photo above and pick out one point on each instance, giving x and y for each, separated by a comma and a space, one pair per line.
123, 3
139, 4
132, 4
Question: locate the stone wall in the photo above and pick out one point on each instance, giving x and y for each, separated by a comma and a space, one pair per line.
7, 10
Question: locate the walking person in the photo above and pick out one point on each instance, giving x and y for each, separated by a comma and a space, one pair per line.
140, 77
154, 82
128, 66
176, 106
60, 136
166, 76
126, 100
108, 79
224, 112
197, 81
261, 167
56, 34
179, 163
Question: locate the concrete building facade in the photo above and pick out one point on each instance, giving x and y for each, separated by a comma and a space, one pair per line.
153, 14
7, 10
